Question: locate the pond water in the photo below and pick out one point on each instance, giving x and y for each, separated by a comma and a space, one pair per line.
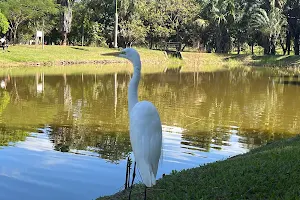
65, 136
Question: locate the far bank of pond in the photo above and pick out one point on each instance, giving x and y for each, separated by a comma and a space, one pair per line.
53, 55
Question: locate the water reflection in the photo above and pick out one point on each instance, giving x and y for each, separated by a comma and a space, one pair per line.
75, 127
112, 146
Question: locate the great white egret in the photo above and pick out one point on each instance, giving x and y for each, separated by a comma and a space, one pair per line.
145, 125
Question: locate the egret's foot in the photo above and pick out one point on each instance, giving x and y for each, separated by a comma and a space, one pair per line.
127, 178
145, 197
133, 176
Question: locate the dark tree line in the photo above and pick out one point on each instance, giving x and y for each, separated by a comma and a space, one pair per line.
211, 25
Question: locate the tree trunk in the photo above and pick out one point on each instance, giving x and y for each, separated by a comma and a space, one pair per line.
151, 42
15, 36
218, 40
296, 44
267, 46
65, 36
288, 42
66, 19
283, 47
273, 45
272, 49
252, 48
238, 48
10, 35
13, 33
82, 37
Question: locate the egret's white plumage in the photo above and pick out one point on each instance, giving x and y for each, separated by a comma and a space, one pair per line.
145, 125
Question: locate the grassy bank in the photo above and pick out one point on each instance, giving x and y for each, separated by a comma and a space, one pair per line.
153, 60
21, 55
25, 55
268, 172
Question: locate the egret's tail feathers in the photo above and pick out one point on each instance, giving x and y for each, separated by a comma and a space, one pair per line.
153, 179
147, 174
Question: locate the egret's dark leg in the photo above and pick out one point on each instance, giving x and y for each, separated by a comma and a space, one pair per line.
145, 197
133, 176
126, 178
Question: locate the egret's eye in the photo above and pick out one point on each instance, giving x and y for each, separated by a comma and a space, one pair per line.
123, 52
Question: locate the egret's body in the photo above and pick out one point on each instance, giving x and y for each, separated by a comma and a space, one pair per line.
145, 125
146, 137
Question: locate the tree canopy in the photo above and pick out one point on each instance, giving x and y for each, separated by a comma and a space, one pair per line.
4, 25
211, 25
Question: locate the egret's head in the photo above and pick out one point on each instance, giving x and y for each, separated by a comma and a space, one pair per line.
131, 54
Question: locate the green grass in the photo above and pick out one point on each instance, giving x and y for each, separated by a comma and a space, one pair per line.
268, 172
155, 61
21, 55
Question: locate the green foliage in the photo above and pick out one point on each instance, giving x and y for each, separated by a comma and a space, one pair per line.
214, 26
270, 24
8, 136
133, 30
22, 12
4, 25
96, 38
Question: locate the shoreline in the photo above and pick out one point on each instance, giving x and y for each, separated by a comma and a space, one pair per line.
60, 63
267, 172
29, 56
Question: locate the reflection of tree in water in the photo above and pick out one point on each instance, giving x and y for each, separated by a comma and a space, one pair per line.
4, 101
206, 140
11, 135
112, 146
254, 138
199, 102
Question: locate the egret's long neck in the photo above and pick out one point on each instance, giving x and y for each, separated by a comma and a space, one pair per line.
133, 86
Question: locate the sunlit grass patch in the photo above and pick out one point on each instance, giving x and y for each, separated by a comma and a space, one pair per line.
24, 54
152, 60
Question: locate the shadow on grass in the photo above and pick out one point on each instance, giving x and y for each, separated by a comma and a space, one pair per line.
268, 61
78, 48
241, 57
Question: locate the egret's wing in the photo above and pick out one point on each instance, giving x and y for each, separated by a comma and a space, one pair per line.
146, 140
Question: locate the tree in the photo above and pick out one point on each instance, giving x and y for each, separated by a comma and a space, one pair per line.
292, 12
154, 19
133, 30
4, 25
82, 23
17, 13
269, 24
20, 11
180, 14
66, 18
221, 16
46, 11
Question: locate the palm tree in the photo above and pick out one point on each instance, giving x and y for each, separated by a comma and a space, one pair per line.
220, 14
269, 24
